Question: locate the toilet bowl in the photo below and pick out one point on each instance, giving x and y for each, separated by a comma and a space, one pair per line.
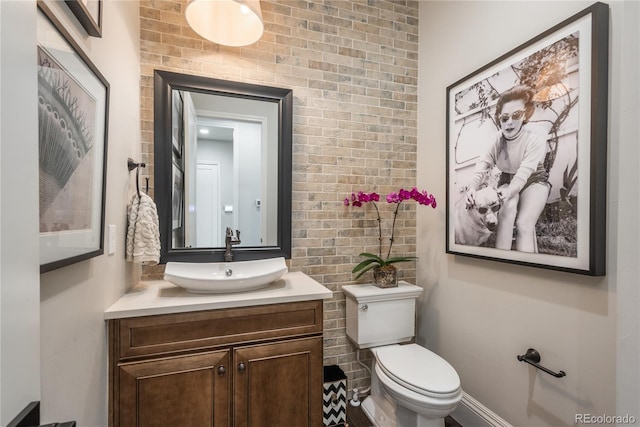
419, 381
410, 385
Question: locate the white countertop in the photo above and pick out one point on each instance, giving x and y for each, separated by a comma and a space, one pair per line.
162, 297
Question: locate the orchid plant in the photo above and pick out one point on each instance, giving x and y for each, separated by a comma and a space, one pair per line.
358, 199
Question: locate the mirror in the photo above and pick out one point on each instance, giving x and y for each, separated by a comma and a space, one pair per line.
222, 160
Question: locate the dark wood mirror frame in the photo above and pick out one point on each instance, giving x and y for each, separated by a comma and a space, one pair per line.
164, 82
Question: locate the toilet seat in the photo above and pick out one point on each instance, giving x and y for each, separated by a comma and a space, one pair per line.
419, 370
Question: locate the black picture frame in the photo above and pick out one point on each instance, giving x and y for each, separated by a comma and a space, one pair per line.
89, 14
73, 117
567, 69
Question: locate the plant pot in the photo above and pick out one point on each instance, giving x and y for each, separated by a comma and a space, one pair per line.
385, 277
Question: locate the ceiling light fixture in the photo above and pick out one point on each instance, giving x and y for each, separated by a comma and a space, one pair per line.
204, 131
226, 22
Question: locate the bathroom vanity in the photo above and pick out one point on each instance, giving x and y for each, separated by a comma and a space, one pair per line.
243, 359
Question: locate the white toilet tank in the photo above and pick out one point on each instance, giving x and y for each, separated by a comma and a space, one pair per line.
380, 316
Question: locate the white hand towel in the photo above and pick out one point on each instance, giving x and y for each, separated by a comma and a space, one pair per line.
143, 232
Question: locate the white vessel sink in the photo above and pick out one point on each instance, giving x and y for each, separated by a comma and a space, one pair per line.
225, 277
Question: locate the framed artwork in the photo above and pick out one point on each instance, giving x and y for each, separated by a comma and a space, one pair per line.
178, 197
527, 151
89, 14
177, 122
73, 111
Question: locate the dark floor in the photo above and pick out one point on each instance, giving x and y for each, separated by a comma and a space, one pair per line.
357, 418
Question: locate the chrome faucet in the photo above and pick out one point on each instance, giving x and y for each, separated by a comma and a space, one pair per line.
229, 241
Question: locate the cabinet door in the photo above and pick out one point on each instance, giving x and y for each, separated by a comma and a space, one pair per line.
278, 384
185, 391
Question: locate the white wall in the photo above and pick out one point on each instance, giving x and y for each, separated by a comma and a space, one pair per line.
73, 298
19, 265
627, 132
480, 314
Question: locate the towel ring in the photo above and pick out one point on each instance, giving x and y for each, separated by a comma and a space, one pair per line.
132, 164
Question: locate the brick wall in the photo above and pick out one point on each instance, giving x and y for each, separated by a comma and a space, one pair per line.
353, 69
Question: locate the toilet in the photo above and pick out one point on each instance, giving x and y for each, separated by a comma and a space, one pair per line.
410, 385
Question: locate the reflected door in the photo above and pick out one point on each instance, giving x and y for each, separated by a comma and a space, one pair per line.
208, 205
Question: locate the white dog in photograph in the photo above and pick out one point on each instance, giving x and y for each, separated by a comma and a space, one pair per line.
474, 223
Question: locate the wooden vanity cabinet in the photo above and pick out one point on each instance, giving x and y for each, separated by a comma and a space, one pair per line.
250, 366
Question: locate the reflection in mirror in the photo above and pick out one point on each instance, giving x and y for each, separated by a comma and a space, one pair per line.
223, 154
230, 160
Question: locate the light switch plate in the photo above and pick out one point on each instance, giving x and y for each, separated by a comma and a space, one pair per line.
112, 239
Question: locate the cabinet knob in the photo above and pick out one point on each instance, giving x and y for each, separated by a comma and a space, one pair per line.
222, 370
242, 367
364, 307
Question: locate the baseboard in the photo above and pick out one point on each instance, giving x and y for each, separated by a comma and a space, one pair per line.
470, 412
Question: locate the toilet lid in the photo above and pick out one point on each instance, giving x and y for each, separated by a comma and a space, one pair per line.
418, 369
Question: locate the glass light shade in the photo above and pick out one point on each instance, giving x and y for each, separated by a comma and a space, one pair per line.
226, 22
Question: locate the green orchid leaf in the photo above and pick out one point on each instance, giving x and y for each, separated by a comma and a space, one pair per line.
366, 263
367, 268
371, 261
373, 256
400, 259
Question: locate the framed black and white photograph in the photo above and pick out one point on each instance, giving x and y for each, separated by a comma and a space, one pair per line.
177, 123
89, 14
73, 109
178, 197
527, 151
